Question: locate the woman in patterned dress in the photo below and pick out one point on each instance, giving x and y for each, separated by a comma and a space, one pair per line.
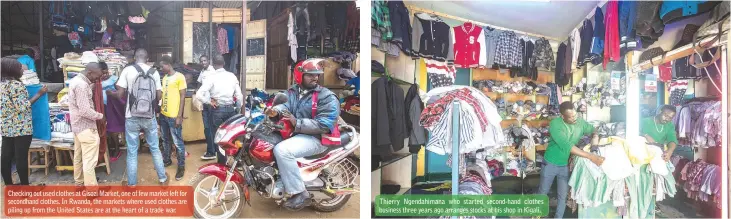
17, 126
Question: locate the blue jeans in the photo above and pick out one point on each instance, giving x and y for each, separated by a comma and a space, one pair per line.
548, 173
208, 131
133, 126
172, 134
286, 154
219, 115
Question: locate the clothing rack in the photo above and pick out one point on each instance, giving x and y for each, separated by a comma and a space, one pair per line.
413, 9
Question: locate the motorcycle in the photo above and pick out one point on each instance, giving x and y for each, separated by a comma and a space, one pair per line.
330, 177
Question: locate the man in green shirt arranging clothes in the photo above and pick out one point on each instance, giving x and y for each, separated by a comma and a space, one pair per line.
565, 134
660, 130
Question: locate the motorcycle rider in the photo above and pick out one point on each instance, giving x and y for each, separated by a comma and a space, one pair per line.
314, 124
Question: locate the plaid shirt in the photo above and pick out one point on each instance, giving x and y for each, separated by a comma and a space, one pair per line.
382, 19
508, 51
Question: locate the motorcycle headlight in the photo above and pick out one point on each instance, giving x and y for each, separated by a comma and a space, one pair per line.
219, 135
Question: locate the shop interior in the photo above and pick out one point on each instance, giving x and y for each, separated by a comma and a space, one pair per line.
57, 35
614, 69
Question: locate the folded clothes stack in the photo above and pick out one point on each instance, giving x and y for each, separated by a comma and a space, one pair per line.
30, 78
60, 124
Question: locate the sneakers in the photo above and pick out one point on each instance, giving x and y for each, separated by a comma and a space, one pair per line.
179, 174
298, 201
208, 156
167, 164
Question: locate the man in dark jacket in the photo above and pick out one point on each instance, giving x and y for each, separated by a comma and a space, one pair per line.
309, 127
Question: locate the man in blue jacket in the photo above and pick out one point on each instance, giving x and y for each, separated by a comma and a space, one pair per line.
312, 119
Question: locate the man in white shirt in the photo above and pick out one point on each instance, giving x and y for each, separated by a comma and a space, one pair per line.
133, 125
207, 68
224, 98
210, 145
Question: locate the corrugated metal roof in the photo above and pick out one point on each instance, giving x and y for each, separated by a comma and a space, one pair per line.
227, 4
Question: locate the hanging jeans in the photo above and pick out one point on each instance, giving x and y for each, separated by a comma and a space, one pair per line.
286, 153
133, 126
301, 47
548, 173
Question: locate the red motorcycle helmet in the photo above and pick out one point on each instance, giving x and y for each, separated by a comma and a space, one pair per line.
309, 66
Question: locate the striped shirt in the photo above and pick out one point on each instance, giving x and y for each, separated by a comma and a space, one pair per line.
81, 108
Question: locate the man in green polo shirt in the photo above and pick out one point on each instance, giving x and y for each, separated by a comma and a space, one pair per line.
566, 132
659, 129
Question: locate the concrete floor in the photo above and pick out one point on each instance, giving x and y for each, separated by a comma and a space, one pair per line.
260, 207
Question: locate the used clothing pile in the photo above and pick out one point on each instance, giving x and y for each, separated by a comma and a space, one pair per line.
479, 120
699, 124
702, 181
60, 124
115, 61
628, 177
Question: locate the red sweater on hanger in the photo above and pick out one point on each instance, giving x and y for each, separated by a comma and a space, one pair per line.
611, 34
468, 40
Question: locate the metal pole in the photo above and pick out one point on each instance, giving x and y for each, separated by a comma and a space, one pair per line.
455, 149
210, 31
40, 69
242, 79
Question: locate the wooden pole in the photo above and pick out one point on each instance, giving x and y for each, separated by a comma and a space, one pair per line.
242, 79
39, 69
210, 31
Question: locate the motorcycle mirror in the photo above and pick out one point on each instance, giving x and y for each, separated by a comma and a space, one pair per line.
280, 98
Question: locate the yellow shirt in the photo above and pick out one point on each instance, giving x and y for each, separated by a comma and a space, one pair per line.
171, 86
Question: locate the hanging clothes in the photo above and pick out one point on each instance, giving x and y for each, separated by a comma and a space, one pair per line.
222, 41
467, 45
432, 37
529, 69
587, 34
648, 25
575, 47
380, 15
597, 48
677, 91
400, 26
491, 42
291, 38
388, 118
611, 34
414, 106
559, 72
509, 53
543, 55
627, 32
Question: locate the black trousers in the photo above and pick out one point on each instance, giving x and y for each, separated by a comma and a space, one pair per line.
15, 148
